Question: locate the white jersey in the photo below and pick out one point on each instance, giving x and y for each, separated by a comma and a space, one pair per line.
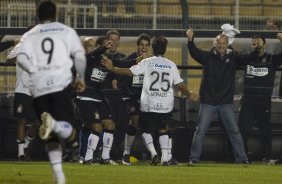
22, 77
160, 75
49, 48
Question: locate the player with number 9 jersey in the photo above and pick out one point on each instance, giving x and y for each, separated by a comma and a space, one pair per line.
43, 45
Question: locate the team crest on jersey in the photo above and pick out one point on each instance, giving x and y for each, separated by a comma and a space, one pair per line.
96, 115
227, 60
20, 108
263, 60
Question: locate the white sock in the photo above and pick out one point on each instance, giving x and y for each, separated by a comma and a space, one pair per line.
20, 148
91, 146
63, 129
27, 141
107, 145
148, 139
169, 155
127, 143
54, 151
164, 143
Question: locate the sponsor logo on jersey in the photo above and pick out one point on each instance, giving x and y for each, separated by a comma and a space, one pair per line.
160, 66
256, 71
51, 30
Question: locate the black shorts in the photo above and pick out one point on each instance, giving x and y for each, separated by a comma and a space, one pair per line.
23, 107
58, 104
151, 121
91, 111
132, 106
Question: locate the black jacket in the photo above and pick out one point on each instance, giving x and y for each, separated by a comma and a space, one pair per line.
260, 74
218, 79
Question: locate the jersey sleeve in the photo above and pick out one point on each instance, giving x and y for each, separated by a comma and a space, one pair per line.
75, 43
139, 68
25, 47
176, 76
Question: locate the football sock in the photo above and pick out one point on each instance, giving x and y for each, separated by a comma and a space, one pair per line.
127, 143
148, 139
63, 129
27, 141
169, 154
107, 143
164, 144
54, 150
20, 147
93, 140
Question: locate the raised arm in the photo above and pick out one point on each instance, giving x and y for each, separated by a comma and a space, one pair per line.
199, 55
120, 71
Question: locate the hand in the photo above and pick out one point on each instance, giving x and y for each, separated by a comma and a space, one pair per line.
107, 63
108, 44
17, 40
79, 85
115, 84
279, 36
189, 34
194, 96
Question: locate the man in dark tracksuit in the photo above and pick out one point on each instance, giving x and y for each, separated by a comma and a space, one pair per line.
216, 94
256, 100
113, 94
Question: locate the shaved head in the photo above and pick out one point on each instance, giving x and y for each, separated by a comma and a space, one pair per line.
221, 44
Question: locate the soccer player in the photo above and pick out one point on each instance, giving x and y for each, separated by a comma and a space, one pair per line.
46, 54
23, 109
113, 96
131, 87
157, 97
92, 107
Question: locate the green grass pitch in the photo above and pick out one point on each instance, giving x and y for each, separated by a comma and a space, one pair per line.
143, 173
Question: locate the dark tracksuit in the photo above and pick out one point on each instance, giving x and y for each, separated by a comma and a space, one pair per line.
256, 100
114, 99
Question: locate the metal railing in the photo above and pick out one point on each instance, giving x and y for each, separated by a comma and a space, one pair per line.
150, 14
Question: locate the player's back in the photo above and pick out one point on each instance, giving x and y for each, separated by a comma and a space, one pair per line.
51, 44
161, 75
49, 47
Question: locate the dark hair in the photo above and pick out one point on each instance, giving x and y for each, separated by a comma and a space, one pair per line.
144, 36
159, 45
112, 32
100, 40
46, 10
259, 36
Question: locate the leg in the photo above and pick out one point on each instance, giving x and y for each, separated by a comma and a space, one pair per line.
263, 119
21, 132
163, 122
229, 121
206, 113
146, 129
108, 138
246, 119
54, 150
132, 107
